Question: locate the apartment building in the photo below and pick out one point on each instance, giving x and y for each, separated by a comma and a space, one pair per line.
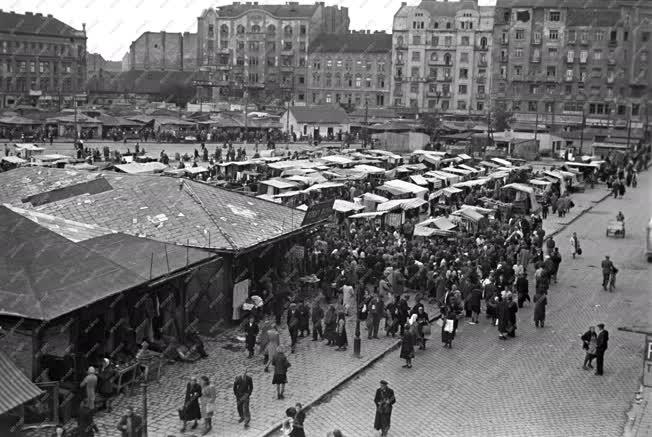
42, 61
441, 57
353, 69
263, 49
173, 51
559, 62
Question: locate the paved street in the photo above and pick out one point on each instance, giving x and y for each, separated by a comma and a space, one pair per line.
532, 385
315, 370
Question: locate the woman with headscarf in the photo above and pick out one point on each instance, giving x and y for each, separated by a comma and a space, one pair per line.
191, 410
342, 340
407, 346
503, 316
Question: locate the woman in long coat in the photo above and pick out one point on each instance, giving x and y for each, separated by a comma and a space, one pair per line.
540, 302
208, 397
503, 316
191, 410
341, 341
330, 325
407, 346
384, 401
513, 309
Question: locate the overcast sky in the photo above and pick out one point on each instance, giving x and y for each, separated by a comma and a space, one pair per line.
112, 25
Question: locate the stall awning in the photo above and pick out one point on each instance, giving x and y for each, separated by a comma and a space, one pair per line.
346, 206
469, 168
470, 214
281, 185
15, 387
367, 215
520, 187
138, 168
471, 183
489, 164
502, 162
423, 231
440, 222
371, 169
464, 156
418, 179
370, 197
325, 185
403, 204
539, 182
448, 191
406, 186
460, 171
13, 159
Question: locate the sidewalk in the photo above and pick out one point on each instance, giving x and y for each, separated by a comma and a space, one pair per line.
639, 418
316, 370
584, 202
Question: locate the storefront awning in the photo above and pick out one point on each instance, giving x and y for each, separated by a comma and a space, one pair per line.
15, 387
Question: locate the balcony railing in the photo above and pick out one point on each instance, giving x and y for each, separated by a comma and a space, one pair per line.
481, 79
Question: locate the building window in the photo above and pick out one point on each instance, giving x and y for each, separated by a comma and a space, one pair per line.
549, 107
597, 55
534, 89
569, 74
445, 105
465, 41
519, 34
599, 36
287, 30
461, 105
551, 72
316, 64
532, 106
553, 34
518, 52
358, 82
329, 64
416, 56
414, 87
435, 40
461, 89
583, 56
240, 30
416, 40
302, 30
481, 90
448, 41
552, 52
636, 109
368, 82
464, 73
287, 45
464, 57
415, 72
570, 56
339, 63
329, 98
516, 105
555, 16
447, 59
613, 36
571, 36
518, 70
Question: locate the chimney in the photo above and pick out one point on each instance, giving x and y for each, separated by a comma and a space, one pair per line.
49, 15
403, 4
38, 14
84, 27
29, 13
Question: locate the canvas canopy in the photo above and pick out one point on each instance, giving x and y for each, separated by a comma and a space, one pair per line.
368, 215
403, 204
502, 162
370, 169
346, 206
442, 223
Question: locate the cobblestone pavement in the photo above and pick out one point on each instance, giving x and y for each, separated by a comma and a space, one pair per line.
533, 385
316, 369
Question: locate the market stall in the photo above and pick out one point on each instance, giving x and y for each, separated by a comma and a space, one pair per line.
524, 199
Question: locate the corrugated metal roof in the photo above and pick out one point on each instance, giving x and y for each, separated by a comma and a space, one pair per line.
15, 387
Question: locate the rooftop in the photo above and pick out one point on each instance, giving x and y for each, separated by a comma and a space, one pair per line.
446, 8
37, 24
288, 10
377, 42
158, 207
333, 114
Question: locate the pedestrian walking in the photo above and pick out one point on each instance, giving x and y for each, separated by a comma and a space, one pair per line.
330, 325
317, 315
522, 287
291, 426
407, 346
293, 325
503, 316
280, 378
540, 302
273, 341
423, 327
131, 424
243, 386
251, 332
191, 412
590, 346
575, 245
607, 268
376, 311
556, 262
513, 309
448, 326
602, 342
475, 303
207, 401
384, 401
304, 319
341, 339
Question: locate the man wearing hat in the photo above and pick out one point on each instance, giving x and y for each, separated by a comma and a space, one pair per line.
384, 401
90, 382
293, 325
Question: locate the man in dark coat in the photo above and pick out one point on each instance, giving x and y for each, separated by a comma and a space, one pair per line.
503, 316
304, 319
607, 267
131, 424
474, 303
191, 410
293, 325
384, 401
317, 315
603, 342
376, 313
251, 332
556, 261
522, 289
243, 386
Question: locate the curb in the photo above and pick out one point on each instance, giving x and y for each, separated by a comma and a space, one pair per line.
584, 211
268, 432
393, 347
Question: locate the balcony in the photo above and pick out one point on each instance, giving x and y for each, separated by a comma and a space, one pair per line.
436, 94
611, 61
481, 79
287, 68
535, 60
572, 42
569, 78
223, 67
570, 60
399, 62
400, 47
398, 78
610, 80
536, 42
481, 96
584, 42
504, 42
446, 79
223, 50
482, 62
613, 43
482, 48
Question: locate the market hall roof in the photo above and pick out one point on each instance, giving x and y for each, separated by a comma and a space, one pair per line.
325, 114
163, 208
45, 275
354, 42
